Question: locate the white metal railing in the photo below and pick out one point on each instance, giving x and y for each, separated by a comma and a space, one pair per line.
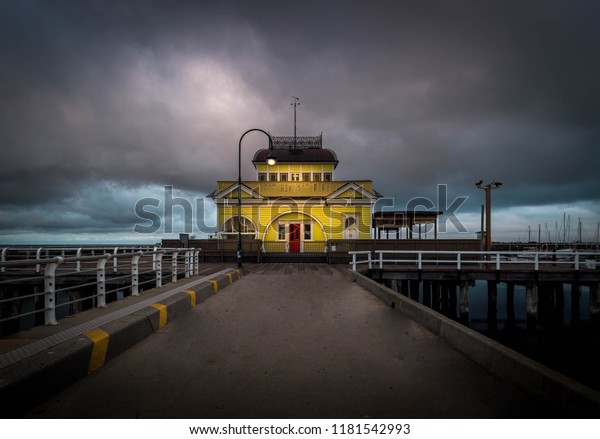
28, 252
62, 265
355, 262
493, 259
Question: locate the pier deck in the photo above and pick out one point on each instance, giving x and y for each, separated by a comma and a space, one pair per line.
293, 341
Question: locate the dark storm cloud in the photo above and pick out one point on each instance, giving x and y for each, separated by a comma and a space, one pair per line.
451, 92
409, 94
96, 90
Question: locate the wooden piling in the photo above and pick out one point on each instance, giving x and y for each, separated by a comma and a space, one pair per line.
452, 286
510, 303
546, 303
559, 301
436, 291
492, 304
542, 294
575, 303
595, 301
443, 297
414, 290
404, 287
464, 302
427, 293
532, 305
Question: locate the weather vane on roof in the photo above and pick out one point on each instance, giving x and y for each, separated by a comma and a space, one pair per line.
295, 104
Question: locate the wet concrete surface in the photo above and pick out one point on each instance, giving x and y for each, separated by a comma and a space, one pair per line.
299, 342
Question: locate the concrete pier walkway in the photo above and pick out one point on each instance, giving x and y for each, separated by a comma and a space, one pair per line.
294, 341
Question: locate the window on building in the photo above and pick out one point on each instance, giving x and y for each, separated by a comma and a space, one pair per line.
307, 232
349, 222
306, 176
295, 177
327, 176
272, 177
262, 176
229, 229
350, 227
316, 177
283, 177
281, 232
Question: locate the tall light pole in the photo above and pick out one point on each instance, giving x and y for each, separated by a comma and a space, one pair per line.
488, 210
271, 160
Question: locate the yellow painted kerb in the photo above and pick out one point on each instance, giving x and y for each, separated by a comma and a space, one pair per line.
230, 277
215, 286
162, 320
100, 339
192, 295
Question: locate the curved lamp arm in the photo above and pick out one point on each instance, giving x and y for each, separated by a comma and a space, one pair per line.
271, 160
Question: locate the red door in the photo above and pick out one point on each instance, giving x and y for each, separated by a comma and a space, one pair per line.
294, 238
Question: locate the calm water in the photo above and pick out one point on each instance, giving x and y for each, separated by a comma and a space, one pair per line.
567, 345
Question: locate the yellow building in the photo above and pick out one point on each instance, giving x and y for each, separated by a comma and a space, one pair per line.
296, 205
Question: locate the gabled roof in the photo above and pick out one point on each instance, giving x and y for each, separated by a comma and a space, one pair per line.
261, 190
351, 186
233, 188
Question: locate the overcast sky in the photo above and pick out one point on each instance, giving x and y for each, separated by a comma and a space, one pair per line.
104, 103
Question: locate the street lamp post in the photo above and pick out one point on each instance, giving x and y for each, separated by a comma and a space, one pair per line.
488, 210
271, 160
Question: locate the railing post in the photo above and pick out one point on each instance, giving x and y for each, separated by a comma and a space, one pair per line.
536, 262
187, 263
38, 255
576, 261
370, 261
4, 250
458, 261
353, 261
78, 261
420, 261
135, 282
115, 260
196, 262
154, 258
101, 280
158, 262
498, 261
50, 291
174, 265
381, 260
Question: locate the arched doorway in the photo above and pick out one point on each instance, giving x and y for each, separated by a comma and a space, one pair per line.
294, 232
